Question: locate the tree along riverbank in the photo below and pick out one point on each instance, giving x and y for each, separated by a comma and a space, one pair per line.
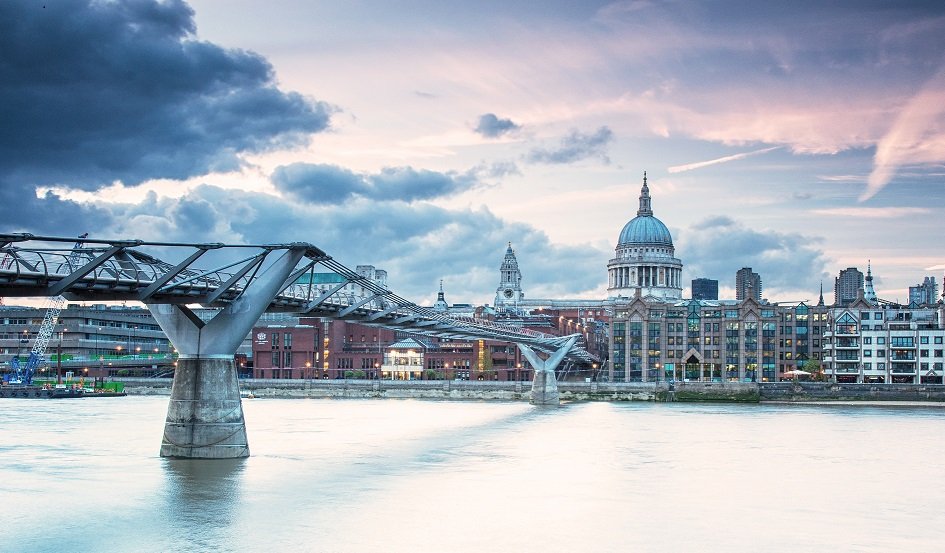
741, 392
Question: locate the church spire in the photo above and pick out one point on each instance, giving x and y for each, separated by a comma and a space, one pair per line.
869, 294
645, 209
820, 302
440, 304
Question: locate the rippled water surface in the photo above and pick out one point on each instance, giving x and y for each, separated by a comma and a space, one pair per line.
416, 476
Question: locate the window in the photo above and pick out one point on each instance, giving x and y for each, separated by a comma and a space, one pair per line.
923, 339
846, 324
880, 353
864, 315
274, 339
276, 359
867, 353
288, 340
878, 316
867, 366
881, 340
867, 340
938, 339
288, 359
881, 366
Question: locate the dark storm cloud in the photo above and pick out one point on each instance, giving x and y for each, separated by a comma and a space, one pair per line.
328, 184
491, 126
575, 147
51, 215
718, 247
93, 92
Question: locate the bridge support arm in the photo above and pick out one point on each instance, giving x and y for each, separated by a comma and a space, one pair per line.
545, 385
205, 413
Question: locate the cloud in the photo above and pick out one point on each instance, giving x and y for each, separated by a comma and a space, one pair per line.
328, 184
491, 126
575, 147
842, 178
418, 243
719, 221
700, 164
96, 92
917, 136
319, 184
787, 262
872, 212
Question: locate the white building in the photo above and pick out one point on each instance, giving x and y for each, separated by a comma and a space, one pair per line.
885, 344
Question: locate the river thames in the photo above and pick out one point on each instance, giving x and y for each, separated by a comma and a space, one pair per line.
416, 476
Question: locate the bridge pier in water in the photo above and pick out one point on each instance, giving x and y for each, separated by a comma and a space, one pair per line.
205, 413
544, 384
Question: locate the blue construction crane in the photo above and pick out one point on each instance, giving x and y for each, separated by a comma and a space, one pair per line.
24, 375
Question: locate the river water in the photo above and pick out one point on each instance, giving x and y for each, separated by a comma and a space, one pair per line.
417, 476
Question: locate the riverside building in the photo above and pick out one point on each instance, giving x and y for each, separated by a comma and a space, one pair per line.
885, 343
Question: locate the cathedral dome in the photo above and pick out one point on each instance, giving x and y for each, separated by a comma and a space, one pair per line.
645, 230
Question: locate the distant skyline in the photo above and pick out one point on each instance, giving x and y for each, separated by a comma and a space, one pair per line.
422, 137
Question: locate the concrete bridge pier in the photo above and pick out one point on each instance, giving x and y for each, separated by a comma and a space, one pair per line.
205, 413
544, 384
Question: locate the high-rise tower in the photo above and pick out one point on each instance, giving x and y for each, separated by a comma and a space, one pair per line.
747, 284
846, 286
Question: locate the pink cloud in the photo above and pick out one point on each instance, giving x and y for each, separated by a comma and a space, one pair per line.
917, 136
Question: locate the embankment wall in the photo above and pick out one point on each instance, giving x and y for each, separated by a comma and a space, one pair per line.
747, 392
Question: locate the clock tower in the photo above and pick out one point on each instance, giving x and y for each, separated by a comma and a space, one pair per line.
509, 293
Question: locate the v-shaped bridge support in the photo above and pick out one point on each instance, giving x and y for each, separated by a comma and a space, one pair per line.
205, 414
545, 385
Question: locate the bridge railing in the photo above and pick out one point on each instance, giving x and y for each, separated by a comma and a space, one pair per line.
116, 269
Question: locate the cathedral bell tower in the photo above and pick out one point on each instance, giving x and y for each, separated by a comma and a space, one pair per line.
509, 293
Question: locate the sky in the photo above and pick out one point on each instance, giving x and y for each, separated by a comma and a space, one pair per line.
423, 137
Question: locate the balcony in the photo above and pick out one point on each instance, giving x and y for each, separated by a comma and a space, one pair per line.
847, 370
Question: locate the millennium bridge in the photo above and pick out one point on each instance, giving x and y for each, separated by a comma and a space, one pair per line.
205, 414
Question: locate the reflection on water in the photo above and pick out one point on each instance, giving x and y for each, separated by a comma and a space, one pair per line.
201, 498
407, 476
